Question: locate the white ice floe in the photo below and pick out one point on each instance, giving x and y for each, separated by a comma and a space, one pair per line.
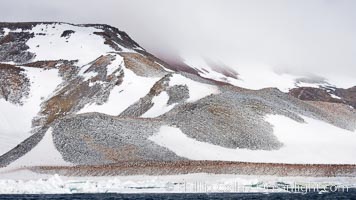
313, 142
16, 120
196, 89
187, 183
121, 97
160, 105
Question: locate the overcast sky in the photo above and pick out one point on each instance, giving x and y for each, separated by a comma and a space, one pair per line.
297, 35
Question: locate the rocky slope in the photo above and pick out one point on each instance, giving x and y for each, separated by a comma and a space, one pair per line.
102, 98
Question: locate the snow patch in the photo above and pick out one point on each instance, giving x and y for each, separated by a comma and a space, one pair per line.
262, 77
159, 106
163, 67
114, 65
257, 76
121, 97
83, 45
7, 31
313, 142
334, 96
196, 89
43, 154
312, 85
87, 75
204, 70
15, 120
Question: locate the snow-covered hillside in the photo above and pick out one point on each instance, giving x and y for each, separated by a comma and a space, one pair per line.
16, 120
45, 42
74, 95
312, 142
82, 44
258, 76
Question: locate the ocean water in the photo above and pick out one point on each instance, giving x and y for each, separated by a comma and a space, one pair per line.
173, 196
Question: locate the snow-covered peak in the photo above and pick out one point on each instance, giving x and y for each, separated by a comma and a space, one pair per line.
64, 41
51, 43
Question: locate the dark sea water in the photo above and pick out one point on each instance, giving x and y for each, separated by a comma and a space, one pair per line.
109, 196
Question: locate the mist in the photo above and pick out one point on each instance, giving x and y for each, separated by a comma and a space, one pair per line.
291, 36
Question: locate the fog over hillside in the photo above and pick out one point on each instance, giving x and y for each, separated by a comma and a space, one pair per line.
310, 37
